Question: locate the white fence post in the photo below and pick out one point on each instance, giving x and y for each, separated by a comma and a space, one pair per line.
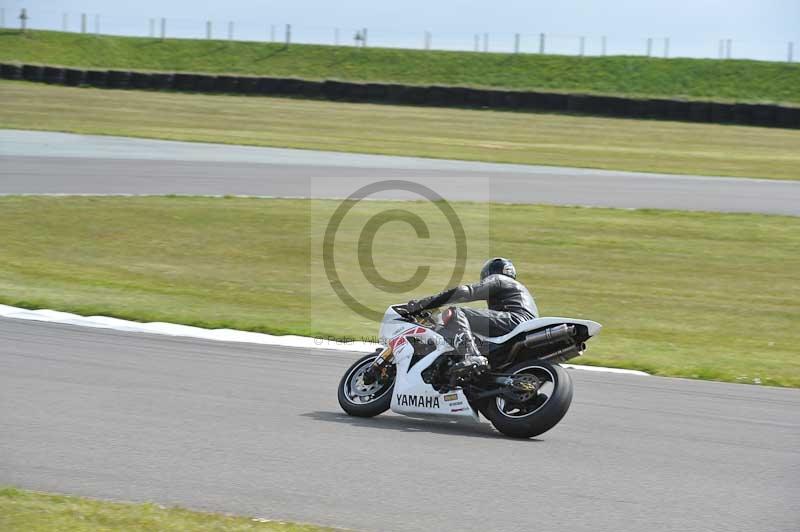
666, 47
541, 43
83, 22
583, 46
208, 29
2, 17
230, 30
485, 42
477, 43
64, 22
649, 46
728, 45
97, 24
516, 43
603, 45
288, 35
272, 32
163, 28
336, 36
364, 40
427, 40
790, 54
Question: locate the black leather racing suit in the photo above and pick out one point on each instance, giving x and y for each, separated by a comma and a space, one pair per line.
510, 303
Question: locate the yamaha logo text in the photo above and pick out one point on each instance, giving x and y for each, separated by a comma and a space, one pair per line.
420, 401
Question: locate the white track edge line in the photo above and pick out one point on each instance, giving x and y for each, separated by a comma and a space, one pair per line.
219, 335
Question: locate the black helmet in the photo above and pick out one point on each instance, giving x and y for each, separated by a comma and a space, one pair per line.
498, 265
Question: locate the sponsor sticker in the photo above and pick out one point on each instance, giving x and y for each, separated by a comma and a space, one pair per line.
457, 403
451, 397
457, 409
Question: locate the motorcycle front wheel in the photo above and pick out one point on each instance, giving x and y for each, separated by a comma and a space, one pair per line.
360, 399
529, 415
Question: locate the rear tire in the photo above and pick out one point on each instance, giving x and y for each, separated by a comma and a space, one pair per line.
539, 414
354, 396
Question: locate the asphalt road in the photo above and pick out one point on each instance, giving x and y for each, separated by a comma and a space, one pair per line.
257, 431
59, 163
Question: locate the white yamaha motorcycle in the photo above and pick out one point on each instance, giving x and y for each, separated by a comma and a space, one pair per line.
524, 394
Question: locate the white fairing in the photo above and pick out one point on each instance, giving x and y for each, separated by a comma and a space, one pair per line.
412, 395
541, 323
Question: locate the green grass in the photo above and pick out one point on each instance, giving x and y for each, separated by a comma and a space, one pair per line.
29, 511
528, 138
712, 296
731, 80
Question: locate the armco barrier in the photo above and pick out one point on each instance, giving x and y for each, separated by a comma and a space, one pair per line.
722, 113
141, 80
226, 84
699, 111
118, 79
312, 89
788, 117
763, 115
246, 84
267, 86
54, 75
96, 78
205, 83
443, 96
161, 81
74, 77
32, 72
185, 82
11, 71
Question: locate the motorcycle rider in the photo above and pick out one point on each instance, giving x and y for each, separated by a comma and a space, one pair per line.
510, 303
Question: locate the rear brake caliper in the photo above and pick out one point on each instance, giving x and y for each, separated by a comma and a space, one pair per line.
522, 388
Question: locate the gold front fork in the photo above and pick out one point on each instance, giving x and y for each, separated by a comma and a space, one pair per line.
380, 366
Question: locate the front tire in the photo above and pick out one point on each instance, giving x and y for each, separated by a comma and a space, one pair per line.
542, 411
362, 400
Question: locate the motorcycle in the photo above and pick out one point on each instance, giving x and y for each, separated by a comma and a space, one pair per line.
524, 393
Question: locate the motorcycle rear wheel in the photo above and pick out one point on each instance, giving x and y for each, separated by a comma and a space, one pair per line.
542, 411
363, 400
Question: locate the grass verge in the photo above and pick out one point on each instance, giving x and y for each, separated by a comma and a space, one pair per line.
482, 135
29, 511
731, 80
712, 296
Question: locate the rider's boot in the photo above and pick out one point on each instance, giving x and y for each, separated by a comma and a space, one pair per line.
473, 364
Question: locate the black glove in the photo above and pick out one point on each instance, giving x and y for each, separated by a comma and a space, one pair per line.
414, 306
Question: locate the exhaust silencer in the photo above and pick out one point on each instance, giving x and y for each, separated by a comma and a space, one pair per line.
549, 336
565, 354
552, 335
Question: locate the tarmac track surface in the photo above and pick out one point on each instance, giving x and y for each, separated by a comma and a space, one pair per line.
256, 430
58, 163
